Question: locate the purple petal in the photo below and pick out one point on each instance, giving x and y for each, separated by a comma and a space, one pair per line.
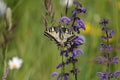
74, 13
64, 52
55, 74
104, 22
79, 40
79, 51
111, 33
104, 37
59, 65
103, 46
111, 75
58, 78
100, 59
81, 24
115, 59
65, 19
109, 47
116, 73
83, 10
76, 51
102, 75
65, 77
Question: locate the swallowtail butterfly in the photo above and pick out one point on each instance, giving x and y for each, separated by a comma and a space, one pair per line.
61, 35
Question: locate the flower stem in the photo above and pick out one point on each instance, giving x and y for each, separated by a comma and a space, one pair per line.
75, 74
108, 56
4, 53
4, 77
62, 69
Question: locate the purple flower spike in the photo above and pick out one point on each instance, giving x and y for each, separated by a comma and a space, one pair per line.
76, 51
102, 75
81, 24
83, 10
115, 59
116, 73
65, 19
55, 74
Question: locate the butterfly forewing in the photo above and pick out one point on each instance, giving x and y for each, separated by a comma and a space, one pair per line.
62, 36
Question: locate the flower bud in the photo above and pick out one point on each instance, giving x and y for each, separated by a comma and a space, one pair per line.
9, 17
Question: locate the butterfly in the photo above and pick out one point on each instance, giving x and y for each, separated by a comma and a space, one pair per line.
61, 35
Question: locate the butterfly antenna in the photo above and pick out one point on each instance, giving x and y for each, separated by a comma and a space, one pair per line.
66, 10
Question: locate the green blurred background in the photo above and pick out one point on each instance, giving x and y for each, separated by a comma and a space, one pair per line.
40, 55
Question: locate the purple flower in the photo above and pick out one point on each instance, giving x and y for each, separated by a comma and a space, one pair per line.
77, 11
83, 10
55, 74
79, 40
102, 75
80, 24
66, 76
109, 47
101, 59
59, 76
111, 33
76, 51
103, 46
104, 22
116, 73
65, 19
64, 52
59, 65
115, 60
74, 12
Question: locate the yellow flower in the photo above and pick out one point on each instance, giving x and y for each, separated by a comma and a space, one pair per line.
88, 28
118, 5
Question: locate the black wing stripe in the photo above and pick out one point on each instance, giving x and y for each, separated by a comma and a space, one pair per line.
50, 36
71, 38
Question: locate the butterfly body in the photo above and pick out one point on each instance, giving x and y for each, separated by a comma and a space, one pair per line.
61, 35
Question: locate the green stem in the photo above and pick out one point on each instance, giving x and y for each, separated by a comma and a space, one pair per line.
62, 69
75, 75
108, 56
4, 57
